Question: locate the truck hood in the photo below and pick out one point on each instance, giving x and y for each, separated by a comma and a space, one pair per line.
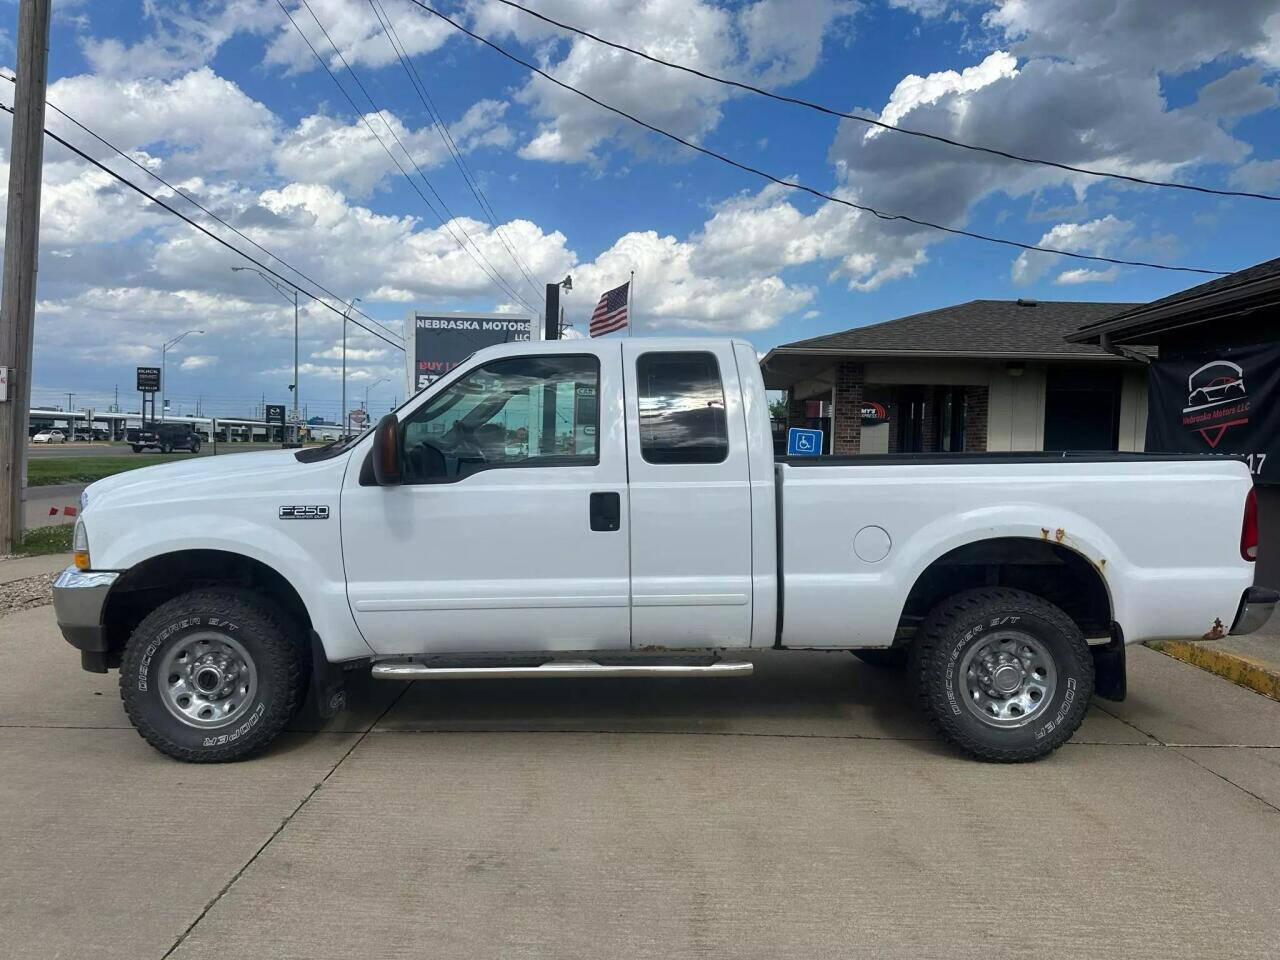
196, 477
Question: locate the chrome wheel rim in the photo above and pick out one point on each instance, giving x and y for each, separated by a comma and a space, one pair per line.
1007, 679
207, 680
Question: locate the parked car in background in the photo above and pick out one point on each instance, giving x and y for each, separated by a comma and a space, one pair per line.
49, 436
165, 437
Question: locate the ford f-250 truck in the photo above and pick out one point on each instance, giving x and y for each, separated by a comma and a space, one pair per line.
614, 508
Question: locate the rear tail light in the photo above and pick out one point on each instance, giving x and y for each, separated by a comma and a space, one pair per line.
1249, 532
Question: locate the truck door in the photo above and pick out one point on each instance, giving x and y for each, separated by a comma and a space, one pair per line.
690, 497
510, 529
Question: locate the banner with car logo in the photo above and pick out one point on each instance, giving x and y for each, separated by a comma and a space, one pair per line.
1224, 402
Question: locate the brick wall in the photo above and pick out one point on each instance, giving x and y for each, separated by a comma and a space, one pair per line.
975, 418
848, 409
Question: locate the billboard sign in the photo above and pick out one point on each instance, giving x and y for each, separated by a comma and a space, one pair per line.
438, 342
275, 413
149, 380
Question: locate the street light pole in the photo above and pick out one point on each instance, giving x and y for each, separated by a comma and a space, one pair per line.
290, 293
164, 350
370, 387
345, 314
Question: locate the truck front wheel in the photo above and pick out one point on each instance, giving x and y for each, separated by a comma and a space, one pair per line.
1002, 674
213, 675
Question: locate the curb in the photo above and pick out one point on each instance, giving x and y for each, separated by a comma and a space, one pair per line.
1260, 677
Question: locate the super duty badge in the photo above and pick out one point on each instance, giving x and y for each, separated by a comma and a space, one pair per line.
308, 512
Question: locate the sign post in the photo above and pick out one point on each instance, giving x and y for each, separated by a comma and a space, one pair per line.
275, 414
148, 385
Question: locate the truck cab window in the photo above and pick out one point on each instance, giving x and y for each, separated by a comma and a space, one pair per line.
682, 415
522, 412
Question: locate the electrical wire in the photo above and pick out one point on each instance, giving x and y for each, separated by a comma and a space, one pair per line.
446, 222
203, 229
437, 119
831, 111
203, 209
790, 185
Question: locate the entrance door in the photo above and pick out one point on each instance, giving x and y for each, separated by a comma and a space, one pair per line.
690, 497
510, 529
1082, 409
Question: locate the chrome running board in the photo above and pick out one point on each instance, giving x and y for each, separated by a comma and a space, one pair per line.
409, 670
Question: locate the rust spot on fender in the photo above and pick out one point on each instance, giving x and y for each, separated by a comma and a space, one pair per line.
1044, 533
1216, 632
1102, 563
1059, 534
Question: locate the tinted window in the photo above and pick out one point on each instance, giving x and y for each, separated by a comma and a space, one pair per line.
682, 418
526, 411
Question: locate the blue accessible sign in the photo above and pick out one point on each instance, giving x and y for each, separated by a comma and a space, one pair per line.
804, 443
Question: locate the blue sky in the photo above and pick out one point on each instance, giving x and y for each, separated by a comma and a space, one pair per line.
226, 101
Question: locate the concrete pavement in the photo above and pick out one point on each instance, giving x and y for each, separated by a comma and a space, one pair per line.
804, 812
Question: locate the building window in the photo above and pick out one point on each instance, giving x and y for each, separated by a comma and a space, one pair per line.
682, 416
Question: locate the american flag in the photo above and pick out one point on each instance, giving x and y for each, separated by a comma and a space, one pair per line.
611, 311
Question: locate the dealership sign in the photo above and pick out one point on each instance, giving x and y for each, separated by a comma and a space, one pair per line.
1226, 402
439, 342
873, 411
148, 379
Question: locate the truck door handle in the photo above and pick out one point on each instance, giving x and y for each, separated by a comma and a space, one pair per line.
606, 511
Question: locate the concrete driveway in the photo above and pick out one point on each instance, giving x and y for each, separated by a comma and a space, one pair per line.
806, 812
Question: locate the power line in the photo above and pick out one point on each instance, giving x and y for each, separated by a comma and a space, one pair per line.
490, 271
420, 87
831, 111
199, 206
202, 228
955, 231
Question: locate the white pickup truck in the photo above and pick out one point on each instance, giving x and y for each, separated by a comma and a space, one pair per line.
614, 508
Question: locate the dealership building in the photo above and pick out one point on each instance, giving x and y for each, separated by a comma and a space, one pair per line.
983, 375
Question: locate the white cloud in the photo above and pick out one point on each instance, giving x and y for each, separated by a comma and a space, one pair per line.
355, 30
1257, 175
772, 41
1096, 237
198, 361
913, 91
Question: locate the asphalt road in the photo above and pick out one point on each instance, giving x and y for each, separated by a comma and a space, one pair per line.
805, 812
41, 450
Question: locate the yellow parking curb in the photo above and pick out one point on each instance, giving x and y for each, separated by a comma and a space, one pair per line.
1247, 672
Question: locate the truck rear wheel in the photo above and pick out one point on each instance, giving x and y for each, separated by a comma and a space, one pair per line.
1003, 674
137, 448
213, 675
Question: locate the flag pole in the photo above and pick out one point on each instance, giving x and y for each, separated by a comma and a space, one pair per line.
631, 314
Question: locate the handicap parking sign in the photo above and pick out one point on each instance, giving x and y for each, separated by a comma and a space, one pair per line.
804, 443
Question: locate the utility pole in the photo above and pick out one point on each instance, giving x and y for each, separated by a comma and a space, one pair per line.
22, 235
343, 420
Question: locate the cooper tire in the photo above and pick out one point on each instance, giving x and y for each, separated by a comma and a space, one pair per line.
979, 660
245, 641
889, 658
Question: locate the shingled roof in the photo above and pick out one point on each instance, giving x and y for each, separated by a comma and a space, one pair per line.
1244, 288
979, 328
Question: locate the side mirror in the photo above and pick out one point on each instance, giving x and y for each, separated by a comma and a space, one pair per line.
386, 451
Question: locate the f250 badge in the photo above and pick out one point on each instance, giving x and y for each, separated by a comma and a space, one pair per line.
308, 512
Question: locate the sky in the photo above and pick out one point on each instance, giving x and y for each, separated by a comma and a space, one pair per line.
227, 102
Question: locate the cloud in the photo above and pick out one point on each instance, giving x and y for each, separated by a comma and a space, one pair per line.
1237, 94
357, 33
198, 361
1257, 175
777, 42
1096, 237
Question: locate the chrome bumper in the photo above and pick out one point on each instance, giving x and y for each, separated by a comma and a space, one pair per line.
78, 599
1256, 607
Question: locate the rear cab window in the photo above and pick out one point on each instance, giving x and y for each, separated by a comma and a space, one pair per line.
682, 408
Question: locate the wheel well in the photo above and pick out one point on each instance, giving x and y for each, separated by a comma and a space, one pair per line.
1049, 570
145, 586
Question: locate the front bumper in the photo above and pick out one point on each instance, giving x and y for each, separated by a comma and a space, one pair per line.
78, 601
1256, 607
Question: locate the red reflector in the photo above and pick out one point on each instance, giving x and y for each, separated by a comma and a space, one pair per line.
1249, 532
